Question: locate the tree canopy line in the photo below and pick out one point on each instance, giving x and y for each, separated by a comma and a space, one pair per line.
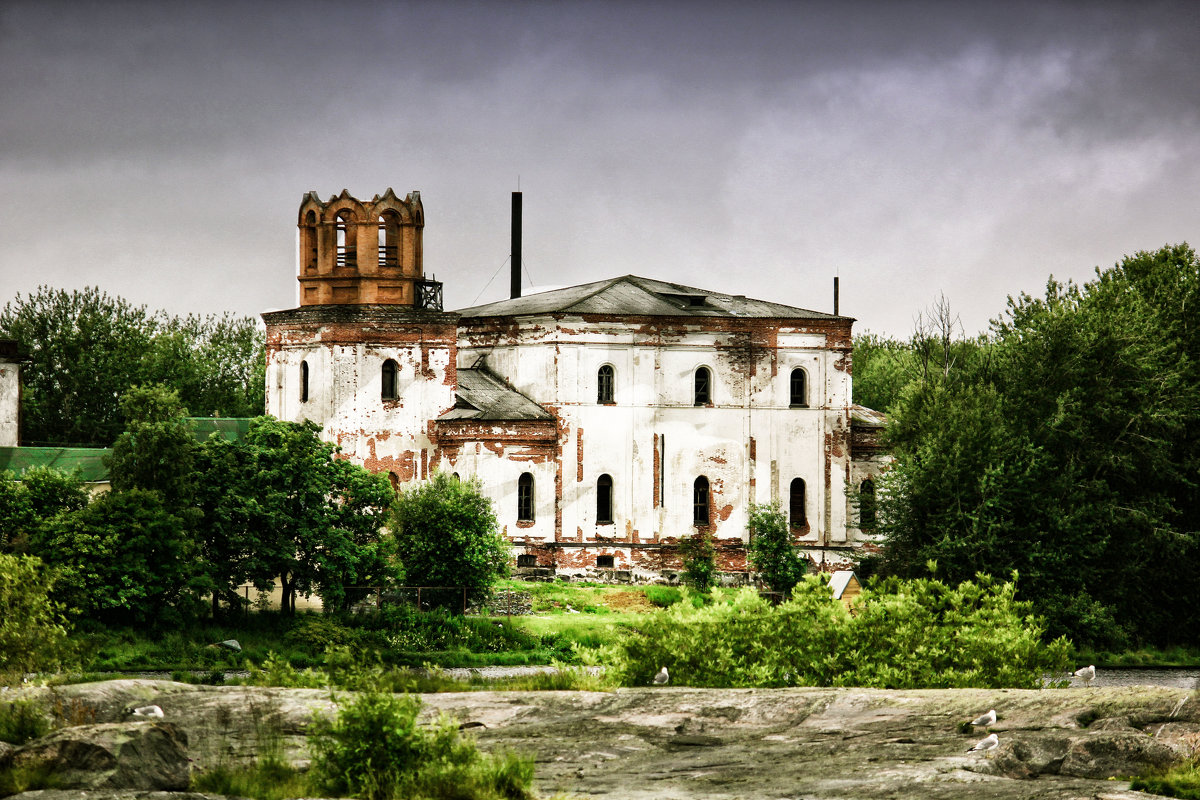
1062, 444
87, 349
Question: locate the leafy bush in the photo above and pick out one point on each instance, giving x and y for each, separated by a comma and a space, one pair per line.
32, 632
699, 561
1181, 780
22, 721
771, 551
375, 749
903, 634
663, 596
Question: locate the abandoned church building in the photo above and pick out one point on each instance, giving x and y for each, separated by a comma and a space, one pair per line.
605, 421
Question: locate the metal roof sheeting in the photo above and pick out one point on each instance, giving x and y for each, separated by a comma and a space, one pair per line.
89, 461
634, 296
482, 396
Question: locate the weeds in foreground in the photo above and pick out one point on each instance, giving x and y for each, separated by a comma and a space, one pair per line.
266, 779
27, 778
22, 721
1181, 780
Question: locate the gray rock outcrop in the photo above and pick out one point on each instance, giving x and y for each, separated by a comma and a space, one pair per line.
677, 742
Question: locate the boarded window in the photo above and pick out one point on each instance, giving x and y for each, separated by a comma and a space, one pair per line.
604, 384
303, 381
604, 562
799, 388
797, 503
525, 497
388, 375
866, 505
700, 501
703, 387
604, 499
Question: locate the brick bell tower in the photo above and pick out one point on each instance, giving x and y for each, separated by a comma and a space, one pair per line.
364, 253
368, 353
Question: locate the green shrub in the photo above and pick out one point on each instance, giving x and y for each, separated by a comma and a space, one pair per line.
699, 557
33, 635
265, 779
772, 552
375, 749
1179, 781
22, 721
903, 634
663, 596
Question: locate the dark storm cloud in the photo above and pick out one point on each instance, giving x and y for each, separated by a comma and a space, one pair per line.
756, 148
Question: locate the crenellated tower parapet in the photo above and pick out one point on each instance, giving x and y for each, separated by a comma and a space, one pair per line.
364, 253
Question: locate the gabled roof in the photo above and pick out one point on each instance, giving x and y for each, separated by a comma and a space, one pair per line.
482, 396
867, 417
631, 295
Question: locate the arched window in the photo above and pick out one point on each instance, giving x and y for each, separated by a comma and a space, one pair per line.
700, 501
797, 504
798, 388
389, 239
604, 384
525, 497
604, 499
347, 254
388, 374
866, 505
703, 387
308, 242
303, 381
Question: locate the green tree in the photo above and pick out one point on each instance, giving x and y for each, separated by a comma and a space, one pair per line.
157, 449
26, 505
446, 535
33, 633
281, 504
124, 559
1068, 453
699, 558
86, 349
772, 552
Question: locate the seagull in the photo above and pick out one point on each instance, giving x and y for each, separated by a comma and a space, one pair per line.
987, 719
991, 742
662, 677
1088, 674
148, 711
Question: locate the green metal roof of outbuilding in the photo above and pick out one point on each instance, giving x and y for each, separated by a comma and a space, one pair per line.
88, 460
229, 428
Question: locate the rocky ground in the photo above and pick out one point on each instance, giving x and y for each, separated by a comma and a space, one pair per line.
669, 742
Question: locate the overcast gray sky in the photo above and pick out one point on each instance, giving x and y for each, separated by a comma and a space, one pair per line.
160, 150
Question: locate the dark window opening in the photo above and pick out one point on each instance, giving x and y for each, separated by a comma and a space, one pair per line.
526, 560
604, 562
525, 497
303, 381
604, 498
388, 375
604, 384
796, 504
308, 242
700, 501
866, 505
703, 387
799, 388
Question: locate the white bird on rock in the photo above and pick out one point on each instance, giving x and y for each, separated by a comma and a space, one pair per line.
662, 677
986, 719
991, 742
148, 711
1087, 674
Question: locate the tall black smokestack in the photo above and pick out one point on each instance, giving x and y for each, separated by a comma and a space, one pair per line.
515, 281
835, 295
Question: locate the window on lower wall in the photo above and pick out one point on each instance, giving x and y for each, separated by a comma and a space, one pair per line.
525, 497
604, 562
798, 517
604, 498
866, 505
700, 501
526, 560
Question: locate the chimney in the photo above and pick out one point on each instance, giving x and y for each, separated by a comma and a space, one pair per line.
515, 281
835, 295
